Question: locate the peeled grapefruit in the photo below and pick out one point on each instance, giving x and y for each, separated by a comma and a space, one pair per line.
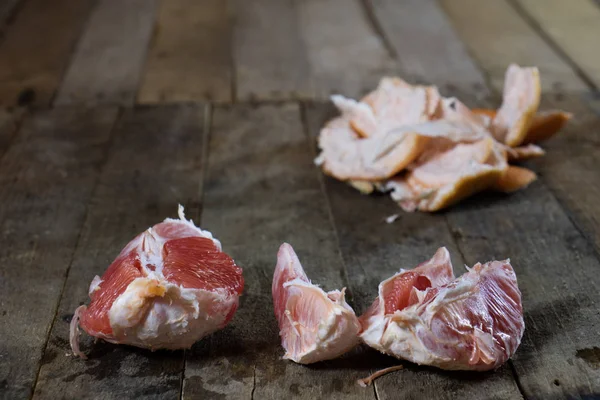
169, 287
474, 322
313, 325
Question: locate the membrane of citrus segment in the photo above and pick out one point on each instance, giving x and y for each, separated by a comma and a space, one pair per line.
544, 124
313, 325
474, 322
521, 99
389, 141
522, 153
347, 157
170, 285
448, 174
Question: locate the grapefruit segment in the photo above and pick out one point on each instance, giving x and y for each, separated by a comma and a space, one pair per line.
169, 287
313, 325
474, 322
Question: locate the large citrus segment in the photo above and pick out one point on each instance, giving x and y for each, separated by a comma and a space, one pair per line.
474, 322
313, 325
170, 286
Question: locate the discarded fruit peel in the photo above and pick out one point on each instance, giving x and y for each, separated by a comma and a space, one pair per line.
168, 288
313, 325
378, 143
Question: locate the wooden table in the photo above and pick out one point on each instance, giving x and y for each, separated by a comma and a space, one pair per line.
115, 111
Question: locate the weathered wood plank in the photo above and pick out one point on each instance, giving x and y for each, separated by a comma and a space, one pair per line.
108, 60
268, 51
345, 54
532, 229
190, 58
261, 191
36, 49
427, 46
571, 165
497, 36
46, 180
7, 8
373, 251
8, 129
154, 164
557, 270
574, 26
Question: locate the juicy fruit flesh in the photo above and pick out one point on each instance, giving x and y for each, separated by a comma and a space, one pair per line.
168, 287
190, 262
195, 262
474, 322
313, 325
399, 297
114, 282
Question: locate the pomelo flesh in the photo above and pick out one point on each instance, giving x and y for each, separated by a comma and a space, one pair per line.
313, 325
474, 322
169, 287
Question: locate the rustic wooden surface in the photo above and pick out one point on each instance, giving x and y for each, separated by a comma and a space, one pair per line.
257, 185
36, 49
7, 10
190, 58
47, 178
129, 196
106, 65
96, 144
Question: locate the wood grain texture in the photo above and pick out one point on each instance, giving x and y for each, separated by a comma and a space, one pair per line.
261, 191
107, 63
268, 51
154, 164
8, 128
190, 58
46, 180
557, 270
497, 36
373, 251
428, 48
501, 226
36, 49
7, 9
574, 26
571, 165
345, 54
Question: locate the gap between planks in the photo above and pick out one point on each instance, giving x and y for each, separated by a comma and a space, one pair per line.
528, 18
77, 243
